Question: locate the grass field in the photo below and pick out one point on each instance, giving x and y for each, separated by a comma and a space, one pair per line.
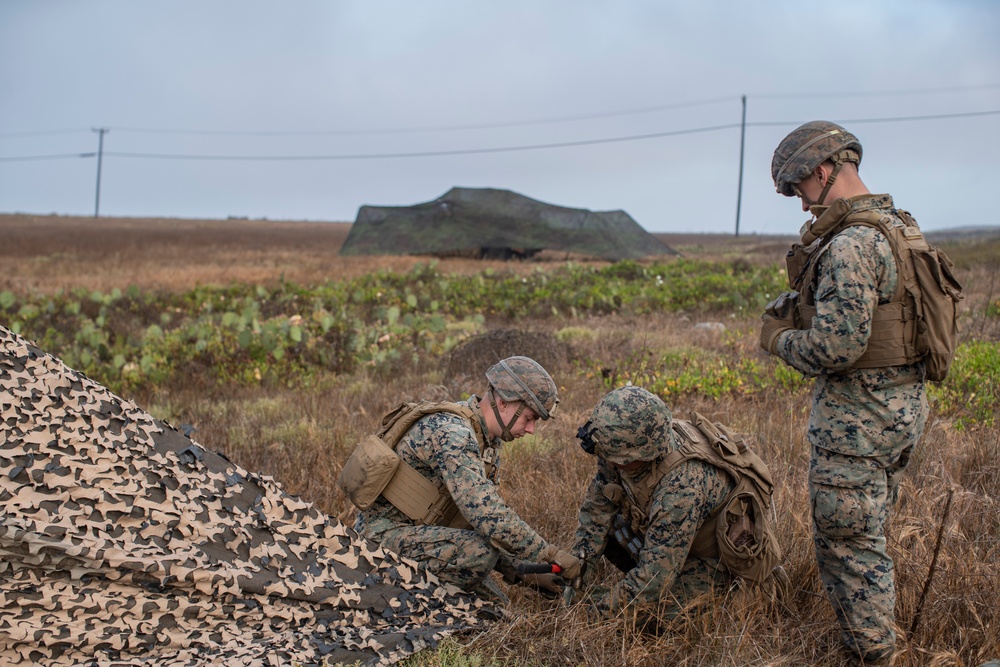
300, 425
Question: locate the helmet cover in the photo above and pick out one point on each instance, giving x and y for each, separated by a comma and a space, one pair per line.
629, 424
807, 147
524, 379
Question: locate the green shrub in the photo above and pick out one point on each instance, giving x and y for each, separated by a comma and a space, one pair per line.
971, 393
251, 334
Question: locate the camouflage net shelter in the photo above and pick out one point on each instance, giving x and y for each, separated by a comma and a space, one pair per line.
123, 542
486, 222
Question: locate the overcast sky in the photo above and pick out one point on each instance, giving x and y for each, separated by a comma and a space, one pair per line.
601, 105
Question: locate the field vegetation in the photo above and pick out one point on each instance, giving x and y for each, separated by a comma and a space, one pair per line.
282, 355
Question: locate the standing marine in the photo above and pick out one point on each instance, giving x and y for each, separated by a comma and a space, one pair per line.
682, 507
426, 485
846, 324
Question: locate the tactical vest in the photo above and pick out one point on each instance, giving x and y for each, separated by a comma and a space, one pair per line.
375, 470
738, 531
920, 323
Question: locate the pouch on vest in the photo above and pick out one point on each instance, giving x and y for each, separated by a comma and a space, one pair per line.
368, 470
937, 326
375, 469
795, 263
747, 547
739, 531
623, 534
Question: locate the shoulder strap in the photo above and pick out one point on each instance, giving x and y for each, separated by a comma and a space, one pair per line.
852, 219
408, 490
717, 445
402, 418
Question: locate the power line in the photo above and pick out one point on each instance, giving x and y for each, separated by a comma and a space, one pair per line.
508, 149
895, 119
439, 128
497, 149
42, 133
463, 151
46, 157
879, 93
523, 122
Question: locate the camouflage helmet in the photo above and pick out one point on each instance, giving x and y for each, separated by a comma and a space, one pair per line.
524, 379
807, 147
629, 424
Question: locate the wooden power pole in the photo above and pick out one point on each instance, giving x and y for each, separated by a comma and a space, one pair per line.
101, 131
739, 189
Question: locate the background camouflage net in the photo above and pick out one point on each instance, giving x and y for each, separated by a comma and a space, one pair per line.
123, 542
499, 224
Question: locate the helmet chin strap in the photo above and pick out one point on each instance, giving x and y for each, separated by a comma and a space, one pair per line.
818, 208
506, 435
829, 182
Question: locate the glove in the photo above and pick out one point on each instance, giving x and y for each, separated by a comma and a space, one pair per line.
569, 564
548, 585
784, 306
778, 317
770, 329
614, 492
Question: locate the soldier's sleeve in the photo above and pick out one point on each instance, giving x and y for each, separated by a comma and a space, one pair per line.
450, 447
682, 502
847, 292
596, 514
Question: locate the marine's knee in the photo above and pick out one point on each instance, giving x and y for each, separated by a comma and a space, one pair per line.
470, 551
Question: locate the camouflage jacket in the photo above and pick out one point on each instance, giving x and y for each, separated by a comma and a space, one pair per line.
681, 503
443, 448
855, 273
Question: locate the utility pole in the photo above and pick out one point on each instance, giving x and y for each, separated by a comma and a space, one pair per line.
101, 131
739, 190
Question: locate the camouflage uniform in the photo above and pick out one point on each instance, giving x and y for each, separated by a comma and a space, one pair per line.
682, 502
679, 505
443, 448
863, 426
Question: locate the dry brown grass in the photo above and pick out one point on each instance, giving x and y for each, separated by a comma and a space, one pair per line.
302, 436
48, 253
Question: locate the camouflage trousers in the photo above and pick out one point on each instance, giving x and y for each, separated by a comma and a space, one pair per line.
851, 497
460, 557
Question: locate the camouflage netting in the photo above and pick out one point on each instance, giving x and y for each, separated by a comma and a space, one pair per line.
497, 223
123, 542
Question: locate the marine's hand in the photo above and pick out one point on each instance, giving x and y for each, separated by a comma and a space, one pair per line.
614, 492
770, 329
778, 317
783, 306
548, 585
571, 566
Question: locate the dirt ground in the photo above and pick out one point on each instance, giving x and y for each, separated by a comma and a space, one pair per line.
39, 252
